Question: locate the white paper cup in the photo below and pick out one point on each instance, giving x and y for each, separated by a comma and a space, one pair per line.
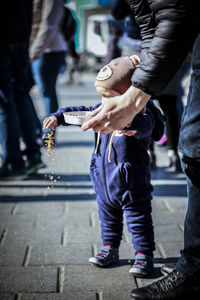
76, 117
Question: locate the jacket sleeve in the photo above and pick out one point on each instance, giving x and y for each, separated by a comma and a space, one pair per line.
143, 124
168, 30
52, 13
59, 113
152, 123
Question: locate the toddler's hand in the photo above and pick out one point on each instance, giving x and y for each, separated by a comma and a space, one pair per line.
50, 121
127, 132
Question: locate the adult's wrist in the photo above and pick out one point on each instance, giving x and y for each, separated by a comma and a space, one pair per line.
137, 98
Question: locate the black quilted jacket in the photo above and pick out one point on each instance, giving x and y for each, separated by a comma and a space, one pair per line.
168, 29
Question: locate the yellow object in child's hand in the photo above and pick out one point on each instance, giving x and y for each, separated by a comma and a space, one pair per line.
51, 121
49, 141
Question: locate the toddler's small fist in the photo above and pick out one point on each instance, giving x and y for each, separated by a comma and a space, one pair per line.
50, 121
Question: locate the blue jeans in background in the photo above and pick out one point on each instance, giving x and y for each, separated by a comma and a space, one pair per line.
16, 117
45, 72
189, 144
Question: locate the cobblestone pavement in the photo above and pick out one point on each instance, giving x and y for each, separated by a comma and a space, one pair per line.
49, 224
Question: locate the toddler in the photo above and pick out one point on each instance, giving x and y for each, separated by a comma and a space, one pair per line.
120, 171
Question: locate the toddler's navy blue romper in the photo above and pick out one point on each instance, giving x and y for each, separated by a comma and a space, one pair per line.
123, 184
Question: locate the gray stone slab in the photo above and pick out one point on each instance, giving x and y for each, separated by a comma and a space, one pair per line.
177, 203
17, 221
171, 249
12, 256
126, 252
34, 279
168, 218
54, 209
4, 296
33, 236
158, 204
168, 233
63, 221
98, 279
77, 234
5, 208
66, 296
117, 295
82, 207
60, 255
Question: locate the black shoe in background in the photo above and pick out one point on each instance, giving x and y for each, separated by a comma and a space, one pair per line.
175, 286
34, 163
10, 173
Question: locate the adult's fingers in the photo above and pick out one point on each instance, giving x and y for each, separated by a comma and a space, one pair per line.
96, 121
96, 111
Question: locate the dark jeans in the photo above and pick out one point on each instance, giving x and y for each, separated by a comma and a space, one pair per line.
45, 72
16, 118
189, 142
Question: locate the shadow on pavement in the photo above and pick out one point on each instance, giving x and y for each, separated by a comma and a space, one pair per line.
170, 190
75, 144
53, 197
63, 177
166, 174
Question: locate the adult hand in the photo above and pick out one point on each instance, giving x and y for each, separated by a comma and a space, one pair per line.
118, 112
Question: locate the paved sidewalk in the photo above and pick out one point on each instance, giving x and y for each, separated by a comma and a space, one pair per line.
49, 224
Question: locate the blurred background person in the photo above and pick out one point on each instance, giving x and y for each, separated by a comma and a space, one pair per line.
116, 28
16, 111
73, 59
171, 102
47, 48
131, 39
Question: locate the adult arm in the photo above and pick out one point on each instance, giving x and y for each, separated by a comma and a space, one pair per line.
168, 30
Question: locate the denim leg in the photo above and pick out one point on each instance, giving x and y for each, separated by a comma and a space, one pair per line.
189, 138
9, 119
189, 144
45, 71
189, 261
22, 99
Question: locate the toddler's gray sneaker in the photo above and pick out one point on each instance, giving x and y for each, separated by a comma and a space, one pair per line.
142, 266
106, 256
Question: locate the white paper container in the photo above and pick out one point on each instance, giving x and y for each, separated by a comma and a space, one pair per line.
76, 117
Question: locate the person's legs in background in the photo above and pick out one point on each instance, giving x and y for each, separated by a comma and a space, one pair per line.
168, 104
38, 122
27, 114
13, 163
45, 73
190, 256
189, 144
